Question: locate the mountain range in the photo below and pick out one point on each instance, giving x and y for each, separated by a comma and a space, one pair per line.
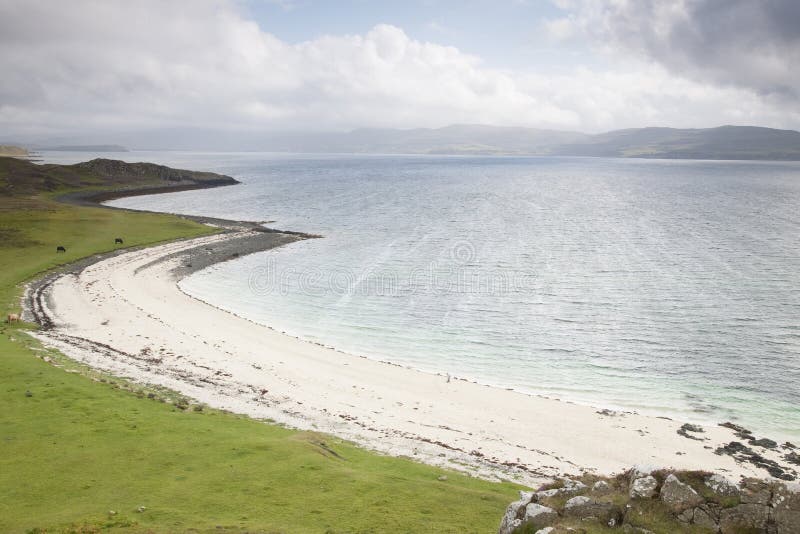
724, 142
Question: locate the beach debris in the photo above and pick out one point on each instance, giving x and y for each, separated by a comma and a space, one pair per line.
643, 488
28, 393
688, 427
441, 478
607, 412
739, 431
742, 453
764, 442
141, 509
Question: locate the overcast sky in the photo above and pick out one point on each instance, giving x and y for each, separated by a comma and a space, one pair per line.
592, 65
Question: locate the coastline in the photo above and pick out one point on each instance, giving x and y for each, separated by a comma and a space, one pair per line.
124, 313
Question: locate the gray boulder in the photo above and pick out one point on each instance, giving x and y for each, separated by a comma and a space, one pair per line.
704, 518
570, 487
679, 496
586, 508
755, 491
576, 501
687, 516
721, 486
786, 509
513, 516
539, 516
574, 485
643, 488
545, 530
641, 471
744, 518
601, 486
544, 494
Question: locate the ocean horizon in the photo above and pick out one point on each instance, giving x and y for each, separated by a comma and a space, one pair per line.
665, 287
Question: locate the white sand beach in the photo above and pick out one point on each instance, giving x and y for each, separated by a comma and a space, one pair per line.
127, 316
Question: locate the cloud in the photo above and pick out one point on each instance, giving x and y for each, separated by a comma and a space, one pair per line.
105, 66
751, 44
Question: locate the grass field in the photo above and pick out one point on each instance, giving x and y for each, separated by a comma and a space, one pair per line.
76, 445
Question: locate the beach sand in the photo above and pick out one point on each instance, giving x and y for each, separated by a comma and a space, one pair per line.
126, 315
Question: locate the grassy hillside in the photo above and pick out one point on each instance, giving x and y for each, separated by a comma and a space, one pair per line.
84, 452
19, 178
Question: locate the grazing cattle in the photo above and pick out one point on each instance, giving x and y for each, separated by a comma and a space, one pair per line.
118, 241
13, 318
60, 249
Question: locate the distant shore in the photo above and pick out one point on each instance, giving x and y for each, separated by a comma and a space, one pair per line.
125, 314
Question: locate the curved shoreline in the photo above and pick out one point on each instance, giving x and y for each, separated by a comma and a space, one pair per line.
125, 314
481, 429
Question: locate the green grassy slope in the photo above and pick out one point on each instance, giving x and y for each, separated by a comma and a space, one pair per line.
75, 445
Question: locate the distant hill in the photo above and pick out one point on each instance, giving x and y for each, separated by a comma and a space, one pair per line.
725, 142
86, 148
457, 139
19, 177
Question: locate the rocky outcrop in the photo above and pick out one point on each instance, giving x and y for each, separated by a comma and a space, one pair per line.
680, 501
513, 516
538, 516
679, 496
643, 488
116, 171
721, 486
585, 508
785, 505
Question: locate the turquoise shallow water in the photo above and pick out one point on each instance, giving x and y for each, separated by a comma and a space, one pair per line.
669, 287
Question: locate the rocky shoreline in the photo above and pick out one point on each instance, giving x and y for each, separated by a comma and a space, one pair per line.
646, 501
245, 237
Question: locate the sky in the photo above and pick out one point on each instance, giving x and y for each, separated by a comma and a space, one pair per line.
100, 67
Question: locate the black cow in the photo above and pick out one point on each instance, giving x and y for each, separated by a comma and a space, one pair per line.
60, 249
118, 241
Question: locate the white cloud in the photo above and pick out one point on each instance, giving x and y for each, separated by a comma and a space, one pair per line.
101, 66
752, 44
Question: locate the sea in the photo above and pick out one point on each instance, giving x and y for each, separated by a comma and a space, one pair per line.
666, 287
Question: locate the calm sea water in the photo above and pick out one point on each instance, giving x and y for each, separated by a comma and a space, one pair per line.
668, 287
